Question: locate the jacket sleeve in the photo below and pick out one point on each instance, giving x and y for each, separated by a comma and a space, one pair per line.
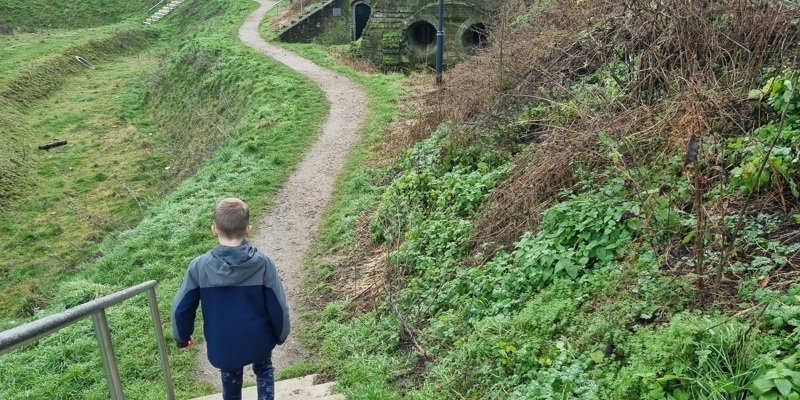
277, 307
184, 307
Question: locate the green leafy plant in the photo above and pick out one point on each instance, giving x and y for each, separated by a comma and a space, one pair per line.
564, 377
777, 379
584, 231
781, 137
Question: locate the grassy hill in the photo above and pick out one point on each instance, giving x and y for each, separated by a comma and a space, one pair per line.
41, 14
161, 126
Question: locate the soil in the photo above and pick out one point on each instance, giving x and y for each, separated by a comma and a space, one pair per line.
286, 231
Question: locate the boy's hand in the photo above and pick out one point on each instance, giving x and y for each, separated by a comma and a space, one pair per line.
186, 345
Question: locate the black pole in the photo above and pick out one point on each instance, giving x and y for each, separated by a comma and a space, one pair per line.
440, 44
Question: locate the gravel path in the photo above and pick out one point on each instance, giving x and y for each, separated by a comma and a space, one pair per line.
286, 231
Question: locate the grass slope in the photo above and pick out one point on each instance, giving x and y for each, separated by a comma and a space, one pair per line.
268, 115
44, 14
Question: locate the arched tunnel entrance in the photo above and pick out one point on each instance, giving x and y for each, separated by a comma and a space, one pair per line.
362, 13
476, 36
421, 34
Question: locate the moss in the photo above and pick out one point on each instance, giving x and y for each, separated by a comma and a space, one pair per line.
391, 40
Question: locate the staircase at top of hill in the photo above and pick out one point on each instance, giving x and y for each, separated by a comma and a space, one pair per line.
303, 388
163, 11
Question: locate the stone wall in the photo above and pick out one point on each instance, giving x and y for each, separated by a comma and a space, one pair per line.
389, 38
401, 32
310, 27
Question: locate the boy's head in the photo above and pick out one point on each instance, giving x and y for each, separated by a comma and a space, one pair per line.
231, 219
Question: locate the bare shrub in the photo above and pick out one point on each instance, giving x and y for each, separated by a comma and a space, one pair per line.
682, 68
720, 43
354, 62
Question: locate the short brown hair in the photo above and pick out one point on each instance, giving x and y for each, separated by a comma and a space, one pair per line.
231, 217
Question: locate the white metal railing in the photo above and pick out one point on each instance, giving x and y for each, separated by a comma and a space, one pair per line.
156, 5
16, 337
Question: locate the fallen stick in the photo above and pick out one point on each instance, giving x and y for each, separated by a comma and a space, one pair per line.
51, 145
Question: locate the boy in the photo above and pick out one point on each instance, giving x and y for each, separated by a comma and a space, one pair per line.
245, 313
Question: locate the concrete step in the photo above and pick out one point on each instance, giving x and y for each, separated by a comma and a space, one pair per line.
307, 392
163, 11
303, 388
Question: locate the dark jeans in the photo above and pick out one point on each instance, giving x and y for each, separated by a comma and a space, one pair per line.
265, 381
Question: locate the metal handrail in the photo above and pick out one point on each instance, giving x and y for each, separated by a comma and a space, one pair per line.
19, 336
157, 4
276, 8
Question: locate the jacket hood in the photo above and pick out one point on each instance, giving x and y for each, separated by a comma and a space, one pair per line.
228, 266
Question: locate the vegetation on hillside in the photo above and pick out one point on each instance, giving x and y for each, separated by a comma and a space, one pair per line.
610, 212
30, 15
603, 205
196, 105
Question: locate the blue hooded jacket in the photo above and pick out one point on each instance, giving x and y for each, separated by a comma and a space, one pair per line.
245, 313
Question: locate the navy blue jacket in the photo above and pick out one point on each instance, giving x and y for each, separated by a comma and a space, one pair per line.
245, 313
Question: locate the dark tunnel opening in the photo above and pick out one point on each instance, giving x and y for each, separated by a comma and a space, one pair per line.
476, 36
421, 34
362, 14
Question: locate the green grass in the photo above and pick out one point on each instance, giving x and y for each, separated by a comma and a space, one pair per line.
296, 370
84, 190
269, 115
21, 49
43, 14
626, 325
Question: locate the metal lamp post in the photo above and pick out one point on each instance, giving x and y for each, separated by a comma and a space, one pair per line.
440, 44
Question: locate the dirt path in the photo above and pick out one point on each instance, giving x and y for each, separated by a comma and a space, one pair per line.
286, 231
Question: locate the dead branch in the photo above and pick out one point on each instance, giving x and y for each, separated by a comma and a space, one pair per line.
400, 316
738, 314
51, 145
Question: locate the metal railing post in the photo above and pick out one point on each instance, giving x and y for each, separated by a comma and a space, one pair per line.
162, 346
440, 44
107, 352
19, 336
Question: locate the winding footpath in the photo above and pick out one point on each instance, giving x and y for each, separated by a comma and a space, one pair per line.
286, 231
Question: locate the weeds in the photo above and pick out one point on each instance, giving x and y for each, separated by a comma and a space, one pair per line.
594, 265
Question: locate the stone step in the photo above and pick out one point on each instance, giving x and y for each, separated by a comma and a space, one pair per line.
307, 392
303, 388
163, 11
